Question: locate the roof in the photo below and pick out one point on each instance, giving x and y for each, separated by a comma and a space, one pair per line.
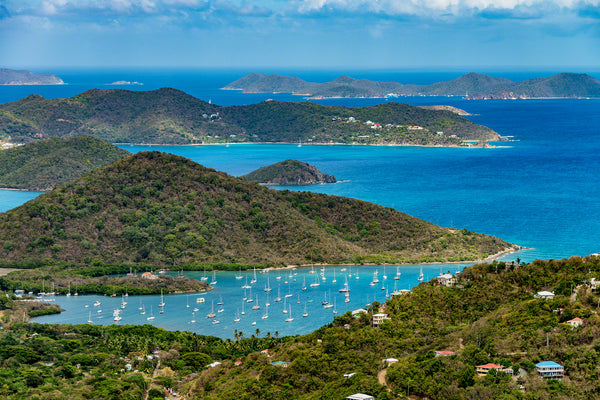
360, 396
444, 352
490, 365
546, 364
575, 319
545, 293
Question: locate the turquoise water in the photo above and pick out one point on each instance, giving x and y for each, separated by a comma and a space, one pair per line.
229, 291
540, 190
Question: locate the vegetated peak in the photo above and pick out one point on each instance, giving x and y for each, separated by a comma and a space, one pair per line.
161, 209
289, 172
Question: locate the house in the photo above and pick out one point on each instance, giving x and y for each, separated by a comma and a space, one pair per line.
484, 369
446, 280
594, 283
550, 369
575, 322
389, 361
149, 275
441, 353
379, 318
360, 396
544, 295
356, 313
282, 364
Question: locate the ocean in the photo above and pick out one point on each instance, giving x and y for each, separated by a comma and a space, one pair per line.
540, 189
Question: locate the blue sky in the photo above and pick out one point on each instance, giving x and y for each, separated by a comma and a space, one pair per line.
300, 33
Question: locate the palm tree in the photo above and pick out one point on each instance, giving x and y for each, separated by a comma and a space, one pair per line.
257, 332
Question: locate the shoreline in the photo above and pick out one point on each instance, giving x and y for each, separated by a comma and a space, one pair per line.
317, 144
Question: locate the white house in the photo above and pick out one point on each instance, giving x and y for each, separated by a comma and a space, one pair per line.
446, 280
550, 369
544, 295
379, 318
575, 322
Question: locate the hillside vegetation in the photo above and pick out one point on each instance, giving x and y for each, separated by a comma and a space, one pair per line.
159, 209
46, 164
169, 116
491, 315
471, 85
289, 172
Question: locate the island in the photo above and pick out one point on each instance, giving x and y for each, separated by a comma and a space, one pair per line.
23, 77
289, 172
170, 116
45, 164
470, 86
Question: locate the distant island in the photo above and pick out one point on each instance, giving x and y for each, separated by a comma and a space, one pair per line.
157, 209
23, 77
45, 164
471, 86
289, 172
170, 116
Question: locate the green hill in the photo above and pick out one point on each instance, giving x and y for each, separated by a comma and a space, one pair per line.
23, 77
472, 85
159, 209
48, 163
489, 316
169, 116
289, 172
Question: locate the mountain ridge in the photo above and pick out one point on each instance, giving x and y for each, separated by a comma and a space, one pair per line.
472, 86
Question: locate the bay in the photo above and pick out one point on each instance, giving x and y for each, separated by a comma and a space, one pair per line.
540, 190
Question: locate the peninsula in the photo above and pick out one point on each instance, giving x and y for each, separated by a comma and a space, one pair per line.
471, 86
170, 116
289, 172
45, 164
23, 77
157, 209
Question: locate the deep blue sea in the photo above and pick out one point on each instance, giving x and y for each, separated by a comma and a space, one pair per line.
540, 190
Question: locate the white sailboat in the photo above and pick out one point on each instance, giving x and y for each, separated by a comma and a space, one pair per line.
334, 306
420, 278
278, 298
243, 312
256, 306
289, 318
151, 317
143, 310
193, 321
268, 286
214, 279
90, 319
237, 315
162, 300
266, 312
253, 279
304, 284
187, 301
326, 303
140, 307
397, 277
284, 305
204, 277
212, 311
334, 280
305, 314
240, 276
384, 275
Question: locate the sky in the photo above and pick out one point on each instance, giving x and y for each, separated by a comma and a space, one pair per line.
349, 34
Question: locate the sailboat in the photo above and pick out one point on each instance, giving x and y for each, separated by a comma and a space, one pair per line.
253, 279
204, 277
345, 289
214, 279
256, 306
90, 319
266, 312
334, 306
304, 284
220, 303
289, 318
243, 312
326, 303
289, 291
237, 315
193, 321
420, 278
334, 280
268, 286
69, 293
240, 275
212, 311
315, 283
143, 310
140, 307
151, 317
278, 298
284, 304
187, 301
162, 300
397, 277
305, 314
246, 286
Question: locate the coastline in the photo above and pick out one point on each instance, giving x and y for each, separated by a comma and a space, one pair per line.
487, 146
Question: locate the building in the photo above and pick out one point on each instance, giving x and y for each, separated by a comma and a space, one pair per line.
446, 280
379, 318
484, 369
149, 275
544, 295
441, 353
356, 313
360, 396
389, 361
550, 369
575, 322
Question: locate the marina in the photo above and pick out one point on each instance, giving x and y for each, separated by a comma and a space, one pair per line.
318, 304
